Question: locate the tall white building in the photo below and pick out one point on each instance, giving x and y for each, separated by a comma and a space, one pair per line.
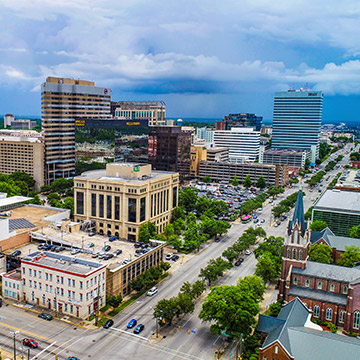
206, 134
243, 143
297, 120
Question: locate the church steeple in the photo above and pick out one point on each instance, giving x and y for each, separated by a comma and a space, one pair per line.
299, 216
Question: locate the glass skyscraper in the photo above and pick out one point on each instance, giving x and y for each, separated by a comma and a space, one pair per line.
297, 120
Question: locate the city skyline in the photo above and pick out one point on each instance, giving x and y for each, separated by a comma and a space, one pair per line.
203, 59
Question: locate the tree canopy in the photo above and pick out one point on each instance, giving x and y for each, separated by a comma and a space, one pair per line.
321, 253
235, 181
247, 181
261, 183
350, 256
318, 225
355, 232
267, 268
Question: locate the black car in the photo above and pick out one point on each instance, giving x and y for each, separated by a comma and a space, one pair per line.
175, 257
139, 329
108, 256
117, 252
138, 244
45, 316
107, 248
92, 233
239, 262
16, 253
108, 324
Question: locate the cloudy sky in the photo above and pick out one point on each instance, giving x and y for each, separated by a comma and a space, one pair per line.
204, 58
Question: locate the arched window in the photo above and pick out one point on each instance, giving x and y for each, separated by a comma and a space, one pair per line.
342, 316
295, 236
332, 287
329, 314
345, 289
307, 282
295, 281
294, 254
316, 311
288, 253
319, 285
300, 254
356, 320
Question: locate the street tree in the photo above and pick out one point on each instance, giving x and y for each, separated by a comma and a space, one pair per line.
267, 268
184, 304
254, 285
272, 245
230, 254
231, 310
178, 213
247, 181
235, 181
279, 210
206, 179
318, 225
350, 256
355, 232
261, 183
198, 287
179, 226
214, 269
61, 185
191, 237
188, 198
165, 309
147, 231
114, 301
321, 253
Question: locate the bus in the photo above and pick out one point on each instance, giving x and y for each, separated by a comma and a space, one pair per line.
246, 219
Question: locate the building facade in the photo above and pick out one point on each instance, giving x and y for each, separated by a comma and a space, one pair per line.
206, 134
218, 154
8, 118
22, 151
297, 120
198, 153
292, 158
225, 171
152, 111
170, 149
340, 210
63, 103
243, 143
66, 284
240, 120
332, 292
22, 124
124, 196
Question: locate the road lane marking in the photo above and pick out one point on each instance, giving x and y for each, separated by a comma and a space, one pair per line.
73, 343
37, 355
27, 332
131, 334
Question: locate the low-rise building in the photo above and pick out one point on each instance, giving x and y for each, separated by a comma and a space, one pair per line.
198, 153
292, 158
225, 171
22, 124
12, 285
206, 134
339, 209
124, 196
218, 154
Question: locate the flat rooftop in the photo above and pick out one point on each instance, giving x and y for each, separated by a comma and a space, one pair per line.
284, 152
5, 202
62, 262
339, 201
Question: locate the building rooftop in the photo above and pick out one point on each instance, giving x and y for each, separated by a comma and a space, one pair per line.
327, 271
284, 152
217, 149
62, 262
339, 201
13, 200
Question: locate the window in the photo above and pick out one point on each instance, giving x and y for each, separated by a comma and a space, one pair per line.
329, 314
69, 294
30, 283
73, 283
101, 205
69, 282
81, 297
300, 254
294, 254
319, 285
46, 276
316, 311
332, 287
93, 204
29, 272
57, 278
62, 280
175, 196
142, 209
39, 274
50, 277
80, 202
81, 284
342, 316
288, 253
345, 289
35, 273
307, 282
109, 206
23, 270
117, 208
276, 349
356, 320
295, 281
132, 210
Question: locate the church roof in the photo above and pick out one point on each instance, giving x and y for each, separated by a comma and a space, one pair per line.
341, 242
299, 215
317, 235
328, 271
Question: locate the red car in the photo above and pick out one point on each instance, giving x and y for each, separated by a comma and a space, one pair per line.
30, 343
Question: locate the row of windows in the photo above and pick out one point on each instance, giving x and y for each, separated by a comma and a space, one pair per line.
10, 293
11, 285
319, 285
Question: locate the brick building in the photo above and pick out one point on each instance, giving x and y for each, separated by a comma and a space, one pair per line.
332, 292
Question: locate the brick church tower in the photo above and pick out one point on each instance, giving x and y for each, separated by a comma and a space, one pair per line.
296, 245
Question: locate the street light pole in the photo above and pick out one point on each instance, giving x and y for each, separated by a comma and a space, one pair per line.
14, 335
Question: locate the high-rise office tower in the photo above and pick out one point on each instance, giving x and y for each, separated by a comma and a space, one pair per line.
240, 120
297, 120
64, 102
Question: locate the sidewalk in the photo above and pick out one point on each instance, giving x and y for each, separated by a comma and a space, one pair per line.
38, 310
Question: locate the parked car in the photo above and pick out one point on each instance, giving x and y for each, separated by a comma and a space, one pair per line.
168, 256
75, 251
247, 252
117, 252
90, 245
262, 221
131, 323
239, 262
92, 233
138, 244
139, 329
175, 257
108, 256
112, 238
108, 324
30, 343
16, 253
94, 255
106, 248
256, 221
279, 223
72, 358
218, 239
45, 316
154, 290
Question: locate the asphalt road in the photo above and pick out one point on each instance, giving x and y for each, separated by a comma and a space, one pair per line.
59, 338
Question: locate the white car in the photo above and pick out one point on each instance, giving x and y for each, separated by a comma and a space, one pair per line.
168, 256
247, 252
152, 291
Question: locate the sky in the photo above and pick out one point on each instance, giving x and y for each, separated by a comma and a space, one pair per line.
204, 58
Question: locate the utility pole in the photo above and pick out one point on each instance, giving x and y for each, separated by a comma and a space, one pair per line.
14, 333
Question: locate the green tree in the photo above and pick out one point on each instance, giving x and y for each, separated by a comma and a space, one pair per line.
355, 232
23, 176
235, 181
69, 204
230, 254
61, 185
294, 180
307, 164
206, 179
253, 285
318, 225
191, 237
214, 269
179, 226
36, 200
321, 253
247, 181
279, 210
178, 213
261, 183
272, 245
165, 309
308, 214
231, 310
266, 268
188, 198
221, 227
350, 256
169, 231
198, 287
184, 304
114, 301
275, 308
147, 231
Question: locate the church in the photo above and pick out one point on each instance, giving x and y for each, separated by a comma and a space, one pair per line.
331, 292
